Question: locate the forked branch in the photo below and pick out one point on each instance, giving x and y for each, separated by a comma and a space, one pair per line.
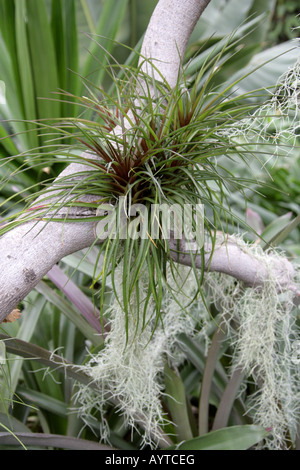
30, 250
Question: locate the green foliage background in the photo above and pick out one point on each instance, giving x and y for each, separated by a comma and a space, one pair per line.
42, 44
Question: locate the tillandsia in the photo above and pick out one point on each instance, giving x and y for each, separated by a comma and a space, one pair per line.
149, 147
129, 371
275, 123
262, 329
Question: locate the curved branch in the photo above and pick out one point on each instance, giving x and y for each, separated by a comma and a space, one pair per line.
29, 251
231, 258
166, 40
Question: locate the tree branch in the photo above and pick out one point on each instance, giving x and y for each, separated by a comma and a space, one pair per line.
234, 259
166, 40
30, 250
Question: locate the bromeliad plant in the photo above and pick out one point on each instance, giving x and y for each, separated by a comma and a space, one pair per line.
160, 146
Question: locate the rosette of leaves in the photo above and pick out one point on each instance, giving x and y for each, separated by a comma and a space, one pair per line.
157, 146
149, 145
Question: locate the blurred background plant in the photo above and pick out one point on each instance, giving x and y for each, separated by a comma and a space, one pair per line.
46, 46
285, 22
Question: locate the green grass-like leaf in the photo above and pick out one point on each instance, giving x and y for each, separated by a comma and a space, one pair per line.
231, 438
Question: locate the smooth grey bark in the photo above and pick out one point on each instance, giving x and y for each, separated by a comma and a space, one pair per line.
171, 33
30, 250
230, 258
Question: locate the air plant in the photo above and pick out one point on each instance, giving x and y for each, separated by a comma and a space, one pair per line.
150, 145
